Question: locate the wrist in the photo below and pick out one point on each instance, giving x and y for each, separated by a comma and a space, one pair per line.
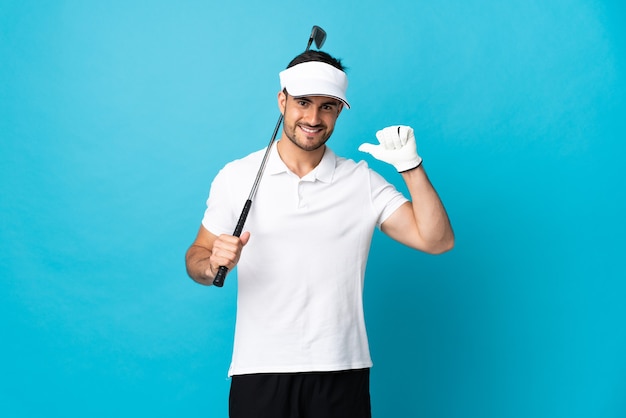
408, 165
411, 169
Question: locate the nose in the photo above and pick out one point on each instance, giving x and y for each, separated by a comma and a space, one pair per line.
312, 116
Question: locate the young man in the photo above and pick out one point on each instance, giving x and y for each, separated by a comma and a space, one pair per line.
301, 348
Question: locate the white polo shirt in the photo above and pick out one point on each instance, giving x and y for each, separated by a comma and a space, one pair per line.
300, 277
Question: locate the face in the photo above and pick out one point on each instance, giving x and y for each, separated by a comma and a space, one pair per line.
309, 121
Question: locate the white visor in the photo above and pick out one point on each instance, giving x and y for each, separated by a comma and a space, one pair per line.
314, 78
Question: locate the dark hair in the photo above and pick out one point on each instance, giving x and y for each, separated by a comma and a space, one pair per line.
312, 55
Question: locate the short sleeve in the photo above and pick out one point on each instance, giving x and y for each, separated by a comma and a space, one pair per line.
386, 199
218, 216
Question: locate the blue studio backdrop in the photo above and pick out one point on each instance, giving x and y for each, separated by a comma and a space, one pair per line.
115, 116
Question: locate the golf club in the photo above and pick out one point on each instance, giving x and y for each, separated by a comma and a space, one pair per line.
318, 35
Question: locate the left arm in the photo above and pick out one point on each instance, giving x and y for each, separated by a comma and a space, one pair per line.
423, 223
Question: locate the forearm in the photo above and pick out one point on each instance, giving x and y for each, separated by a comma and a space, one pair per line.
423, 223
431, 219
198, 265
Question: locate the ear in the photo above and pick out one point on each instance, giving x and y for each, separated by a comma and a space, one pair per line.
282, 102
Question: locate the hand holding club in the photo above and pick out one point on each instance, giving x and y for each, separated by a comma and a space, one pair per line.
226, 252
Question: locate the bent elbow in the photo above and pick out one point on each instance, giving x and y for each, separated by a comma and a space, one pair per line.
449, 246
441, 247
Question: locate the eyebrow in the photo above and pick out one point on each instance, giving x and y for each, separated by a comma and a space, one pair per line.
331, 101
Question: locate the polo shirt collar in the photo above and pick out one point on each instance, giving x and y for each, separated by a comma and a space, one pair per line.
323, 172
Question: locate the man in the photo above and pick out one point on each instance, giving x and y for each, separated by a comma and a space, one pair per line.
301, 348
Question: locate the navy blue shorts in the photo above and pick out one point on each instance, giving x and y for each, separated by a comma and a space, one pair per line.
343, 394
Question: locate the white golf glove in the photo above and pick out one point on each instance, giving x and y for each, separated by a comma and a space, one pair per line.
397, 147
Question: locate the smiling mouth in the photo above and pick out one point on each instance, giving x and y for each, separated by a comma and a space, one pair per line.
310, 130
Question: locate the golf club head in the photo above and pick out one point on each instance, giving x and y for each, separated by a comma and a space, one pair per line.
319, 36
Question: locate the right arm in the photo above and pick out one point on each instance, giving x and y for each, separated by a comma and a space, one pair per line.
209, 251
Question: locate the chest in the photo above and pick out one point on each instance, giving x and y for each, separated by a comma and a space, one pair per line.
285, 205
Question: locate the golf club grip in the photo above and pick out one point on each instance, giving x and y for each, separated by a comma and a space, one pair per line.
220, 276
221, 272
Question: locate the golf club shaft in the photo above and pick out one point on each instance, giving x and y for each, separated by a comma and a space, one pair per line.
221, 272
318, 35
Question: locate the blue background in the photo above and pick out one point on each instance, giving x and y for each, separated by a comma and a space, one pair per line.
115, 116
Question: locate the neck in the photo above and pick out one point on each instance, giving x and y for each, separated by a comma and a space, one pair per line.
299, 161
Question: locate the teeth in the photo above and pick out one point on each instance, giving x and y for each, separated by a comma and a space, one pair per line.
310, 130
